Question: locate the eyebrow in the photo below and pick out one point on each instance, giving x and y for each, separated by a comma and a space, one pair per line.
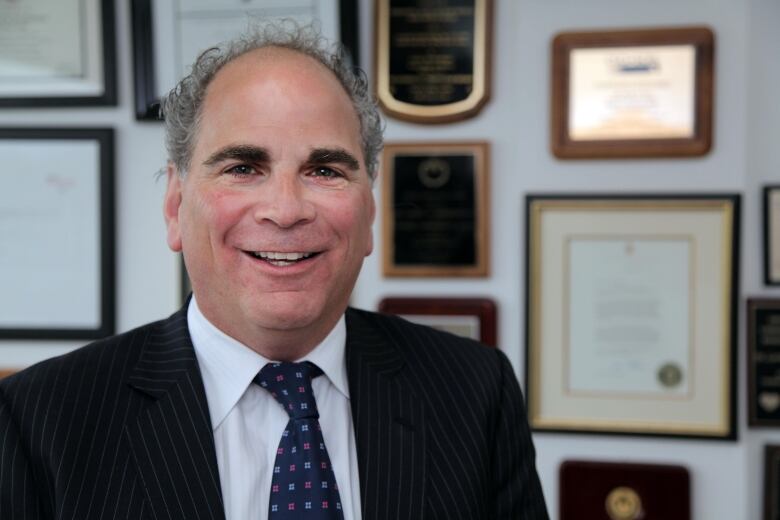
333, 155
242, 152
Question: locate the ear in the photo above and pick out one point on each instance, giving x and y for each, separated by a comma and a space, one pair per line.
171, 206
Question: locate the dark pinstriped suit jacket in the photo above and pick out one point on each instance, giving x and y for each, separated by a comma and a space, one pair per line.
121, 429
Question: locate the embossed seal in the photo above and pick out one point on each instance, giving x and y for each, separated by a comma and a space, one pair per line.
670, 374
623, 503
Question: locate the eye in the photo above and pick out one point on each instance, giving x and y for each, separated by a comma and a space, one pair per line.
241, 170
328, 173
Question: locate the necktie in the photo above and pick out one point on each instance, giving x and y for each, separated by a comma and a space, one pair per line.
303, 483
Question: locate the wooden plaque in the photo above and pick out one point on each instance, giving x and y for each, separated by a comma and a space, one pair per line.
623, 491
433, 58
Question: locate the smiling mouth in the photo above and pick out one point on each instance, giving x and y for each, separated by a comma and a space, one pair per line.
279, 259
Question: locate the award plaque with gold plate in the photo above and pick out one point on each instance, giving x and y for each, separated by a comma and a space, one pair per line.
433, 58
763, 317
623, 491
434, 209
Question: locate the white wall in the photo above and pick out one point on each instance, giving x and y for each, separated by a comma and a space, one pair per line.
726, 476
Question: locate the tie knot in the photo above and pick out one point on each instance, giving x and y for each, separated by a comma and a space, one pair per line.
290, 385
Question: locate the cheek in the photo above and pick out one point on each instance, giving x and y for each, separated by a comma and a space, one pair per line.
211, 212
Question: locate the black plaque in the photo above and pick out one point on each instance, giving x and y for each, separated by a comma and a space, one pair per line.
432, 58
764, 362
435, 218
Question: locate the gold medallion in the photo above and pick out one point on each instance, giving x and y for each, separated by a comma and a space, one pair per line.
623, 503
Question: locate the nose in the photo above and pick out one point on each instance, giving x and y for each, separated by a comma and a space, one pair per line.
284, 202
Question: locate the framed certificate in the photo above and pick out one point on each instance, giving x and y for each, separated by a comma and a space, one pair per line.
473, 318
772, 235
634, 93
630, 324
434, 209
57, 224
763, 324
433, 58
771, 482
57, 53
169, 34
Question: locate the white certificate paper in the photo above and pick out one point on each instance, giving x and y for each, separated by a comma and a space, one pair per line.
50, 228
642, 92
185, 28
629, 315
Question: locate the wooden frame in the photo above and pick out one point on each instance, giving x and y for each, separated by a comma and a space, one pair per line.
74, 203
657, 117
622, 292
771, 229
763, 328
7, 372
147, 90
427, 310
96, 45
441, 82
442, 189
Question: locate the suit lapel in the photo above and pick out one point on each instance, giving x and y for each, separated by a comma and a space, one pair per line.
389, 426
172, 439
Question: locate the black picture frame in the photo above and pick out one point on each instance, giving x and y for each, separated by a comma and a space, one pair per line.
555, 404
107, 36
771, 218
104, 188
771, 482
146, 101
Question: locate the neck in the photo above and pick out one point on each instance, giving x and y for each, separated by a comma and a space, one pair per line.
275, 343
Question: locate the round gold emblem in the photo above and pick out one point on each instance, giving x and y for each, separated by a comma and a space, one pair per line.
434, 172
670, 375
623, 503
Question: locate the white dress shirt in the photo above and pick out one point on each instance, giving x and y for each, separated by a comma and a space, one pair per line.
248, 422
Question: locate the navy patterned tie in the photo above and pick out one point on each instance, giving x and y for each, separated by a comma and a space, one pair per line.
303, 484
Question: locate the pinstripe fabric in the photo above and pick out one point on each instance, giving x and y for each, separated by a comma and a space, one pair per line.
120, 429
440, 425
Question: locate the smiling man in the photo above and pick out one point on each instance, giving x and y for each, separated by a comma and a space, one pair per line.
266, 396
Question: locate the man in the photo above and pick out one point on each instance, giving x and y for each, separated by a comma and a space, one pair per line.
272, 145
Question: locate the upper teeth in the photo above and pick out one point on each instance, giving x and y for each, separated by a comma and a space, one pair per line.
272, 255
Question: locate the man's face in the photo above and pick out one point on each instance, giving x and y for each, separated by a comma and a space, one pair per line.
274, 217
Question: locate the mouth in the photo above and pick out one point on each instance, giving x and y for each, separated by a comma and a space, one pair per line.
280, 259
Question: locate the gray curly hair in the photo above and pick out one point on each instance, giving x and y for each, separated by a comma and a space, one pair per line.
181, 107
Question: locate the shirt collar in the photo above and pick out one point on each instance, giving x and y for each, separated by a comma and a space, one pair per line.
228, 366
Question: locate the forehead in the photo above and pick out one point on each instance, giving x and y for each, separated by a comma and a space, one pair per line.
277, 85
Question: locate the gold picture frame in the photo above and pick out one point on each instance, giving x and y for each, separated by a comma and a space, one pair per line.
632, 93
435, 220
631, 314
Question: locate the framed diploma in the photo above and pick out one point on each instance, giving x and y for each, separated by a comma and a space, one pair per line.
57, 53
473, 318
57, 224
772, 235
434, 209
432, 61
771, 482
763, 324
631, 315
636, 93
624, 491
169, 34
